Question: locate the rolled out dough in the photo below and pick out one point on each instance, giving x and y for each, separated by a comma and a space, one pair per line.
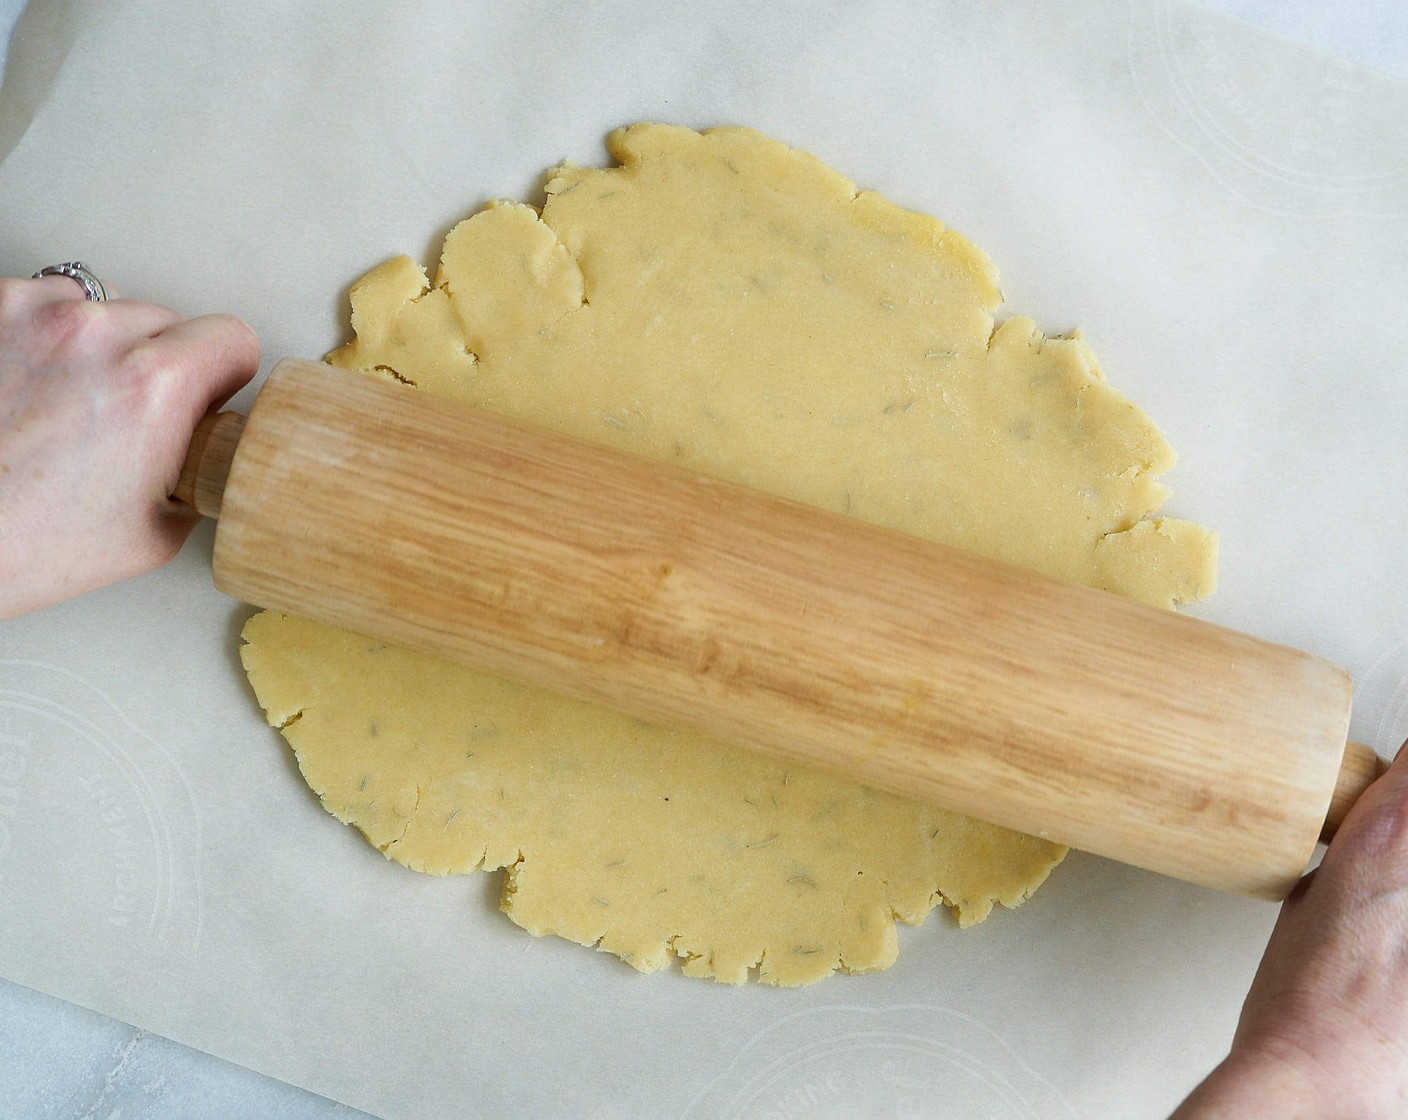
726, 303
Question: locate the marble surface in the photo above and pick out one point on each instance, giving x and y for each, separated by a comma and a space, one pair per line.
58, 1060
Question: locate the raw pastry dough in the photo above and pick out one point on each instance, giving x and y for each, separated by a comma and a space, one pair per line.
726, 303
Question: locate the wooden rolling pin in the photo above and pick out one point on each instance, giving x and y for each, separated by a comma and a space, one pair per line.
1058, 710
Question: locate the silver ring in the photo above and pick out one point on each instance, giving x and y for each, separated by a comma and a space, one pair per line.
81, 274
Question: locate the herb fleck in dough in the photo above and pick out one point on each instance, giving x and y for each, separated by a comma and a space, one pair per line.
728, 304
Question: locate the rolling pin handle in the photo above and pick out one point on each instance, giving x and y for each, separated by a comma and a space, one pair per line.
207, 465
1359, 768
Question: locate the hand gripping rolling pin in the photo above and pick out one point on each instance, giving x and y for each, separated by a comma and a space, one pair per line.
1057, 710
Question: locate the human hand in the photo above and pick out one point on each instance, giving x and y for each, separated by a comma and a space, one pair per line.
97, 405
1324, 1030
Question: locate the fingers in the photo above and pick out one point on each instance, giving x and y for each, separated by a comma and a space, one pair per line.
141, 319
1370, 851
122, 317
47, 289
1388, 795
120, 320
44, 289
172, 368
110, 392
63, 329
219, 353
133, 319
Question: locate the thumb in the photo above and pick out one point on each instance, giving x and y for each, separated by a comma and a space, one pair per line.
1374, 835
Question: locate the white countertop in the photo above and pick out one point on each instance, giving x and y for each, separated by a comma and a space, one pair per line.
59, 1060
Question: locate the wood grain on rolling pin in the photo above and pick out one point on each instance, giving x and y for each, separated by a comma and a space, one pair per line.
1054, 709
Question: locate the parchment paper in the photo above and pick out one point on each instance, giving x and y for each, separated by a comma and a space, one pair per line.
1223, 214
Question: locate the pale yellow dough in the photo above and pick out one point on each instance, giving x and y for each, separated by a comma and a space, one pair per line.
729, 304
